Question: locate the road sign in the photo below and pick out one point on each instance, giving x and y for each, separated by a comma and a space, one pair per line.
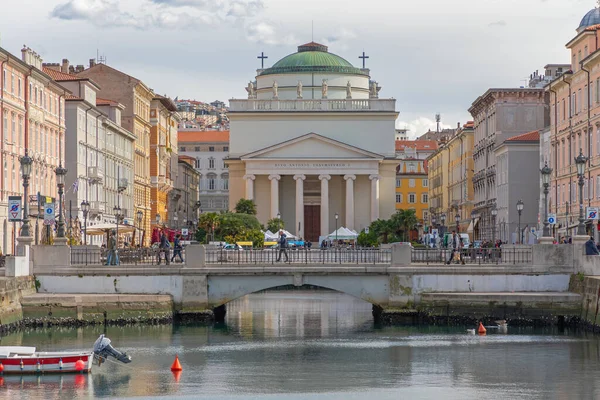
184, 232
591, 213
49, 214
367, 230
552, 219
15, 212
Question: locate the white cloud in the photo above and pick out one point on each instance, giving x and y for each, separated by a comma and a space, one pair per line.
104, 13
419, 126
267, 33
245, 9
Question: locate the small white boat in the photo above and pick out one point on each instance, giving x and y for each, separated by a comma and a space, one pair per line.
26, 360
471, 331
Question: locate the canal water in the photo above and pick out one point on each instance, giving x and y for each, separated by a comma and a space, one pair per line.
298, 345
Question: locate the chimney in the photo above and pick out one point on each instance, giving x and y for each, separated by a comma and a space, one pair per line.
65, 66
79, 68
71, 69
24, 51
92, 62
458, 125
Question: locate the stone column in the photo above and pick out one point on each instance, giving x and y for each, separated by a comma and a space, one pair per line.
274, 194
249, 186
350, 200
299, 204
324, 204
374, 197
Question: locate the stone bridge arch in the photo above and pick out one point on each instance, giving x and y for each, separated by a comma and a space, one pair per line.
373, 289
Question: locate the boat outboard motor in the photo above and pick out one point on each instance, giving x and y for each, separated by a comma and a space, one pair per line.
103, 349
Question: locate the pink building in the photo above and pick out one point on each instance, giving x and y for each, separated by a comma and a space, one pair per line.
31, 117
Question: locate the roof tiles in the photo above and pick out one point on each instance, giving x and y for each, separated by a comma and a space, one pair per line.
203, 136
533, 136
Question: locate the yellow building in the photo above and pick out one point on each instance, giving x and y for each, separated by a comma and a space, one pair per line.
164, 121
450, 178
412, 182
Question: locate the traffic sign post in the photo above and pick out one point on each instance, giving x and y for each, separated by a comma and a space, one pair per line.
15, 210
551, 219
591, 213
49, 217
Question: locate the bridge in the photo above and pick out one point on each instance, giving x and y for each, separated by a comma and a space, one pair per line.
399, 277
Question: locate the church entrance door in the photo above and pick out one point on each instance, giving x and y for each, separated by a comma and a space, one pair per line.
312, 223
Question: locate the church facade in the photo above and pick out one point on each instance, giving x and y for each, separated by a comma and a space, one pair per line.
314, 144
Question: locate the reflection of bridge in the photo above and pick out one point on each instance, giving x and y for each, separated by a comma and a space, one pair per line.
201, 284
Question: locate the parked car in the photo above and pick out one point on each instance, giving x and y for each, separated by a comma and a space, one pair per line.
232, 247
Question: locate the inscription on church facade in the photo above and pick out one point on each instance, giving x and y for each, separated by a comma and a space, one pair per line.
312, 165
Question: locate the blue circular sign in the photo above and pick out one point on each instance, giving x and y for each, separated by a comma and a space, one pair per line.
551, 220
49, 210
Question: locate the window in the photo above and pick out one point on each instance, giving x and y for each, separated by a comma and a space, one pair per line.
19, 88
412, 167
225, 180
399, 181
211, 163
412, 198
425, 182
12, 83
424, 198
211, 181
398, 198
197, 148
211, 148
225, 148
411, 183
182, 148
197, 163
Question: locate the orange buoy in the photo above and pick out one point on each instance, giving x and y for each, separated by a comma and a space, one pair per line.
1, 368
481, 330
79, 365
176, 366
176, 375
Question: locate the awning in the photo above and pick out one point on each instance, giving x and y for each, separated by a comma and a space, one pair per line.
102, 229
472, 225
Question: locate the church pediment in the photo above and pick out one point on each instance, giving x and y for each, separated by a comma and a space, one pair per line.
312, 146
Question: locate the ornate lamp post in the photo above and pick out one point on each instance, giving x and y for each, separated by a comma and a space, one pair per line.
85, 209
457, 220
580, 162
26, 163
140, 217
60, 180
118, 216
546, 172
520, 206
443, 219
494, 215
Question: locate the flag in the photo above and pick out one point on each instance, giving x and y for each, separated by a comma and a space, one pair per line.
75, 186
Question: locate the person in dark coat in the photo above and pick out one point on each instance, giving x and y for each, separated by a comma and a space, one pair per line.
282, 246
164, 247
177, 248
590, 248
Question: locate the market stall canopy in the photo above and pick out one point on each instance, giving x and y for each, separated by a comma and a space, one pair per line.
343, 234
102, 229
269, 236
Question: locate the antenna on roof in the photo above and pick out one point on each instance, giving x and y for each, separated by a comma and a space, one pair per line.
438, 119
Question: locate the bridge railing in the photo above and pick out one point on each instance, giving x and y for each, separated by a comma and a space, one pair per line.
93, 255
299, 256
511, 255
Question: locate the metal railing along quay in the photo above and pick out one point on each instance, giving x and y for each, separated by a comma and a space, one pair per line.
481, 256
127, 256
299, 256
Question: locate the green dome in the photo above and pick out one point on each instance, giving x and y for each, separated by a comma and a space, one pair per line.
312, 57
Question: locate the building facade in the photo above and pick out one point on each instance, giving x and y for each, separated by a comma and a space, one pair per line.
311, 141
163, 155
184, 198
136, 97
437, 172
32, 107
460, 178
209, 150
517, 179
575, 128
499, 114
412, 182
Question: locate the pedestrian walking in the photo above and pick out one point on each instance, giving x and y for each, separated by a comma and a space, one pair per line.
282, 246
164, 247
112, 257
177, 248
456, 246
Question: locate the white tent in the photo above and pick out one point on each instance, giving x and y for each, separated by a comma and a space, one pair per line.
102, 229
270, 236
342, 234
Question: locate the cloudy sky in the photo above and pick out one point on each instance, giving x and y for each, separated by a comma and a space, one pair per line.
431, 55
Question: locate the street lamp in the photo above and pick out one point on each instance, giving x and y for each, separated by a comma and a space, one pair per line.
457, 220
546, 172
443, 218
336, 223
520, 206
580, 161
26, 163
473, 214
117, 212
140, 217
60, 180
494, 215
85, 209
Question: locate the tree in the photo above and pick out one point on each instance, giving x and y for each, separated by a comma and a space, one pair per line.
407, 219
367, 239
209, 222
382, 229
236, 225
275, 224
245, 206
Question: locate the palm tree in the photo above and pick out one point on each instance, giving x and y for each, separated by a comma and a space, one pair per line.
209, 222
407, 219
382, 228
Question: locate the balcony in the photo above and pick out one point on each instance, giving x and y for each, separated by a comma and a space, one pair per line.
95, 175
97, 207
320, 105
157, 180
